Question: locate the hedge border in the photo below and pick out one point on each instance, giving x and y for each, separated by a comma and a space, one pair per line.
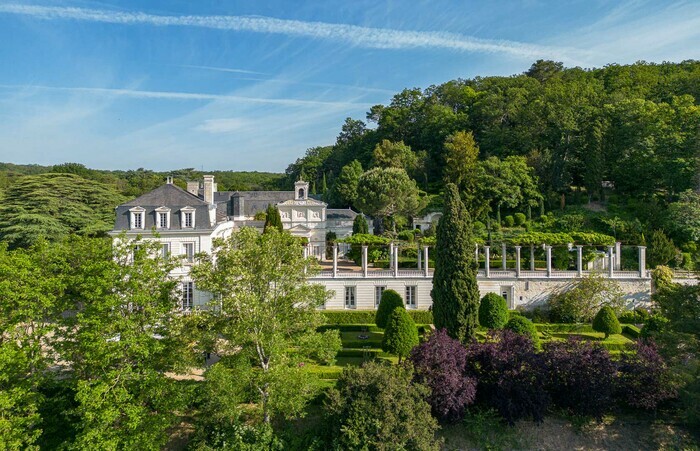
366, 317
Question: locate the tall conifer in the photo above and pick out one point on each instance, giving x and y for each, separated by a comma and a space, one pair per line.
455, 291
273, 219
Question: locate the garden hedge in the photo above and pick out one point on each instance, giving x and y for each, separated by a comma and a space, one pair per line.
366, 317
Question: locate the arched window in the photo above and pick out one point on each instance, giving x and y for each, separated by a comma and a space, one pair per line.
301, 193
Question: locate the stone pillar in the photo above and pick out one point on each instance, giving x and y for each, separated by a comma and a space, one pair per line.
548, 249
305, 251
396, 261
364, 261
420, 259
391, 255
532, 257
611, 261
487, 254
476, 253
642, 260
504, 262
579, 260
335, 260
517, 261
426, 261
618, 256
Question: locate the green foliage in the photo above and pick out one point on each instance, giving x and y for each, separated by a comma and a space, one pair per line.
581, 301
359, 225
400, 334
349, 316
662, 251
51, 206
662, 276
390, 300
265, 323
631, 331
345, 186
606, 322
523, 326
322, 347
455, 291
509, 221
560, 238
273, 219
655, 324
380, 407
385, 192
493, 311
389, 154
684, 216
519, 219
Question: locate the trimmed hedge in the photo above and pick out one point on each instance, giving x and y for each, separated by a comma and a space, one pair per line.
493, 311
631, 330
560, 327
366, 317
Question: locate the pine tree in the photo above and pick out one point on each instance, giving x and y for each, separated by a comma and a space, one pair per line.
273, 218
455, 291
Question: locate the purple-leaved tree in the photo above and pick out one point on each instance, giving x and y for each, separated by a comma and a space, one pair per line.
440, 364
643, 378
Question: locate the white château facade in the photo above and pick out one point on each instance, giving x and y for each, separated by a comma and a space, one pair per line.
187, 221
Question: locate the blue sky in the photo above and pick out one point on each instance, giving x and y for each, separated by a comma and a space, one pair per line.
250, 85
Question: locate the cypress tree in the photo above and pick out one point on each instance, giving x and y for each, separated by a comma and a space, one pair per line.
455, 291
359, 225
273, 218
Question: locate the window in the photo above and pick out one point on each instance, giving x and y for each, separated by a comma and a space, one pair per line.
188, 251
188, 219
349, 297
163, 220
165, 251
378, 291
138, 220
411, 296
187, 295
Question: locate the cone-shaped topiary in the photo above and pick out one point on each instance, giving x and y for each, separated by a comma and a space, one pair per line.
390, 300
493, 311
523, 326
400, 335
606, 322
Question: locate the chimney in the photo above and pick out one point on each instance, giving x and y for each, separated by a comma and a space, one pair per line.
193, 188
209, 189
169, 180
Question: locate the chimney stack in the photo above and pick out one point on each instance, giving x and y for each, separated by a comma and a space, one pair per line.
193, 188
209, 189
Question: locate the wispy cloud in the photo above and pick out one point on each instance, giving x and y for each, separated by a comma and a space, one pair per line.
226, 125
366, 37
173, 95
222, 69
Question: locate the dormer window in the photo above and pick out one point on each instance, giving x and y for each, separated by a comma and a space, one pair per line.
163, 218
136, 217
187, 218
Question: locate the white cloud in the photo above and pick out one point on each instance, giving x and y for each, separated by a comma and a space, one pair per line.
226, 125
366, 37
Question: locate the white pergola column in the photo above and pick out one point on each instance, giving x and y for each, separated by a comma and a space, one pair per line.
476, 253
305, 252
391, 255
642, 260
487, 253
504, 261
579, 260
396, 261
426, 262
618, 256
532, 257
335, 260
364, 261
548, 249
517, 261
420, 259
611, 261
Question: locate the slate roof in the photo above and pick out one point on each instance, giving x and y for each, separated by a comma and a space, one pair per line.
169, 196
252, 201
340, 214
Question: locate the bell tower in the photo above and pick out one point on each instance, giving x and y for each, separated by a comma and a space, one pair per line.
301, 190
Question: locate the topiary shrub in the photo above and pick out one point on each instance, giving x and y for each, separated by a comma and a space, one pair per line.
520, 219
400, 334
390, 300
580, 376
440, 364
493, 311
523, 326
379, 407
509, 376
606, 322
509, 221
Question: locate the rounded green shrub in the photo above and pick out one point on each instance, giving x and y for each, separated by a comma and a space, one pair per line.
520, 219
606, 322
493, 311
523, 326
400, 334
390, 300
509, 221
654, 325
